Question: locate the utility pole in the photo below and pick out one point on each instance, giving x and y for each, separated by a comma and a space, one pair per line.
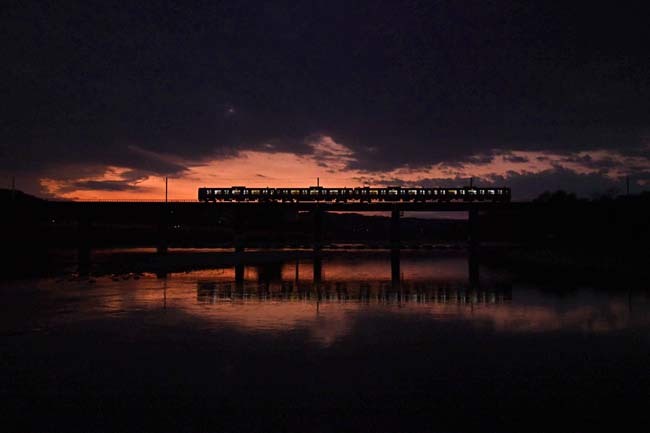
165, 189
318, 181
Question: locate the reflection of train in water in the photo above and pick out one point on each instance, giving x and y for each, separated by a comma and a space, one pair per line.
359, 194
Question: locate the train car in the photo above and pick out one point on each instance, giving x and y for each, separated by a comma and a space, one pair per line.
358, 194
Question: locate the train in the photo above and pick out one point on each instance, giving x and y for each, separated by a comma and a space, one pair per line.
358, 194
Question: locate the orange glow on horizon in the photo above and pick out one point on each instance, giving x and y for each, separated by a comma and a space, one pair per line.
328, 161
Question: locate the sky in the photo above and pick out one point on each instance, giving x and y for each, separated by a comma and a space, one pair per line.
104, 99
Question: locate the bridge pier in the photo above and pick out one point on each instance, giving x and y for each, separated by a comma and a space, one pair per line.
473, 241
473, 227
238, 232
395, 237
318, 217
162, 234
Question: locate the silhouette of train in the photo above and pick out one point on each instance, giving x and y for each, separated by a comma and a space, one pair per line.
359, 194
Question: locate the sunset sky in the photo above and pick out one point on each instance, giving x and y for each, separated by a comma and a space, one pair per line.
103, 99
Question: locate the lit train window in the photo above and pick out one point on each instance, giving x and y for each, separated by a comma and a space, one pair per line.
295, 192
334, 191
285, 191
245, 192
413, 191
382, 192
392, 192
373, 192
363, 191
313, 192
491, 191
226, 191
255, 191
453, 192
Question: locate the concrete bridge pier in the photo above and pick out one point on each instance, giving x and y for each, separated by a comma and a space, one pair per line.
473, 227
238, 232
318, 217
395, 237
162, 235
473, 241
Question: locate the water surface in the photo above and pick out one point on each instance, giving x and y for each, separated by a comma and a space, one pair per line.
343, 342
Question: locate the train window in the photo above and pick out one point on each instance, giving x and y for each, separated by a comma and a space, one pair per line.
461, 192
304, 191
499, 191
245, 192
226, 191
491, 191
285, 191
413, 191
373, 192
382, 191
392, 192
334, 191
481, 192
313, 192
255, 191
364, 192
295, 191
265, 191
422, 192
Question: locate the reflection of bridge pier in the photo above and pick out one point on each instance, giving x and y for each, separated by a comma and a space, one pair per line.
239, 275
395, 274
318, 270
473, 265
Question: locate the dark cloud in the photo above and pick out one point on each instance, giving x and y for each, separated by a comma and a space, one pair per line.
515, 158
410, 83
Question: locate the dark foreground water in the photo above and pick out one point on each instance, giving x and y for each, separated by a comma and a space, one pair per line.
349, 343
